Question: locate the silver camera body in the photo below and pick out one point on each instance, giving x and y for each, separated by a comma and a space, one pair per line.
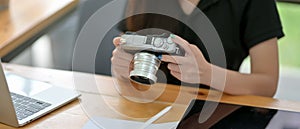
147, 52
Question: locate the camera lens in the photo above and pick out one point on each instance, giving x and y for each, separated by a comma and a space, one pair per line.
145, 68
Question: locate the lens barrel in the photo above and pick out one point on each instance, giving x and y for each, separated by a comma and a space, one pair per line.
145, 68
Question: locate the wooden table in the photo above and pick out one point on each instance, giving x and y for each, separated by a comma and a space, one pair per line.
105, 100
24, 19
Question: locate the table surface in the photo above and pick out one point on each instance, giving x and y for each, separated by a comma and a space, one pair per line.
103, 99
25, 18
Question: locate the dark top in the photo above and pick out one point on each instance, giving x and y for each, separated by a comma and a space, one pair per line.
241, 24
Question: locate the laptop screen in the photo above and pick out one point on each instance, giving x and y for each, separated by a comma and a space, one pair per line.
229, 116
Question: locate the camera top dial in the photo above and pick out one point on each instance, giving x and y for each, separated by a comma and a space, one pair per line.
153, 43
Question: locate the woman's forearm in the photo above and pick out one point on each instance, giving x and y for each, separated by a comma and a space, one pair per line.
237, 83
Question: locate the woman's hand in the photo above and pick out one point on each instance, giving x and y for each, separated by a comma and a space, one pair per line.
192, 67
121, 61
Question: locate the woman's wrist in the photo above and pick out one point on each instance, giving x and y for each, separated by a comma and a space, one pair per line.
205, 74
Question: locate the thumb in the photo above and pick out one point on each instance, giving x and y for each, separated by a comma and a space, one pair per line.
182, 43
117, 41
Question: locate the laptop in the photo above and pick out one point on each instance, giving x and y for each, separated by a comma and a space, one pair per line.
23, 100
232, 116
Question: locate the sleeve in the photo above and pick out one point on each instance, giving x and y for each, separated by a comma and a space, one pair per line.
261, 22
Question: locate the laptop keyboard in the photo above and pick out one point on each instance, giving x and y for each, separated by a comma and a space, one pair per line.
26, 106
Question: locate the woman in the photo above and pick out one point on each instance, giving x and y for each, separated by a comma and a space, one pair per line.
246, 27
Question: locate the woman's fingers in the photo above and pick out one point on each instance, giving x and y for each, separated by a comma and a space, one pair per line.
120, 62
173, 59
176, 74
174, 67
120, 72
119, 53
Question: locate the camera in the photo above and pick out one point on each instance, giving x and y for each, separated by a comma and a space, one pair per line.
147, 52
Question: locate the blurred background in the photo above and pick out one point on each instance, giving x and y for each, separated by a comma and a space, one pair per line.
55, 48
